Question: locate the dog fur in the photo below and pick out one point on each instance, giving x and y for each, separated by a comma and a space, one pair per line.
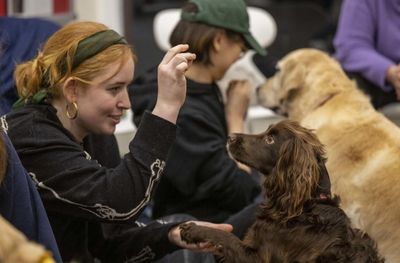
298, 220
363, 147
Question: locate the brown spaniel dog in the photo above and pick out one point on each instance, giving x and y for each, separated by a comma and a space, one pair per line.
298, 220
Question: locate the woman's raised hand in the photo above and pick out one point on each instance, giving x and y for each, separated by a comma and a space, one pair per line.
172, 82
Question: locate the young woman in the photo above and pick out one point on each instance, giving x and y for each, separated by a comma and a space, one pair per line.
200, 177
75, 87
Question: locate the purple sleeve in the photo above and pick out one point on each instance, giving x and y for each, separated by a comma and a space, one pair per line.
354, 42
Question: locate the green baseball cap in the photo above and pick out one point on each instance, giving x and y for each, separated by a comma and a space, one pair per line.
227, 14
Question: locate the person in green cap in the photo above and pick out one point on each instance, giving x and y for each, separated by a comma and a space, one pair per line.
201, 179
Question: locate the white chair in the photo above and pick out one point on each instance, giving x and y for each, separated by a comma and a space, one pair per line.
124, 132
264, 30
262, 26
163, 24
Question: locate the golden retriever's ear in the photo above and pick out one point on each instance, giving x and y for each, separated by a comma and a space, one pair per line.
293, 75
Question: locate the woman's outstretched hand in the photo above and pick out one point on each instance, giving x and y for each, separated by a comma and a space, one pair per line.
172, 82
175, 237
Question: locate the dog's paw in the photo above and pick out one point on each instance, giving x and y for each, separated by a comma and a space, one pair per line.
187, 233
194, 234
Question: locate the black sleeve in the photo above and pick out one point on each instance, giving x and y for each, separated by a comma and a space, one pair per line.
71, 183
200, 166
138, 244
104, 149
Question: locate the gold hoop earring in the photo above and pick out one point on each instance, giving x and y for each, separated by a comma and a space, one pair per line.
75, 114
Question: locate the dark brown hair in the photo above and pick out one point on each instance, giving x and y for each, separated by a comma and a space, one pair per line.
198, 36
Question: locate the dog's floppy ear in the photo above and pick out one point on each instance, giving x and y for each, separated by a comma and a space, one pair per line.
324, 184
294, 179
293, 75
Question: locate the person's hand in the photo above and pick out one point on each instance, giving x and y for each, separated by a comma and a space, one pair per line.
172, 82
174, 236
393, 77
237, 103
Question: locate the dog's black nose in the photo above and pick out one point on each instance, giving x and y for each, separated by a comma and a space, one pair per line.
275, 109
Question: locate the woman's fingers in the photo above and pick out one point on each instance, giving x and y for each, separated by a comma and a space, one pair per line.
204, 247
182, 61
185, 64
173, 51
177, 58
172, 82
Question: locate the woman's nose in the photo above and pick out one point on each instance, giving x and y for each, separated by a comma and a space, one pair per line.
124, 101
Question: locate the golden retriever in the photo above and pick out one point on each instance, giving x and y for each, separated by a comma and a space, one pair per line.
363, 147
298, 220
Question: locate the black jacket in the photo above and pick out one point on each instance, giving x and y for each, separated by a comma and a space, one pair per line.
200, 177
79, 194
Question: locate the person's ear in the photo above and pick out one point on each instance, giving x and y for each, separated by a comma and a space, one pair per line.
70, 90
218, 40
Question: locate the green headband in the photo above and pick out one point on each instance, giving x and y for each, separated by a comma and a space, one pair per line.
87, 48
94, 44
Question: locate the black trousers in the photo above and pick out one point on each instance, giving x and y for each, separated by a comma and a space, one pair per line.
379, 98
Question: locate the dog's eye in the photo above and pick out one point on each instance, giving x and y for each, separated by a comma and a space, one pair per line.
269, 139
